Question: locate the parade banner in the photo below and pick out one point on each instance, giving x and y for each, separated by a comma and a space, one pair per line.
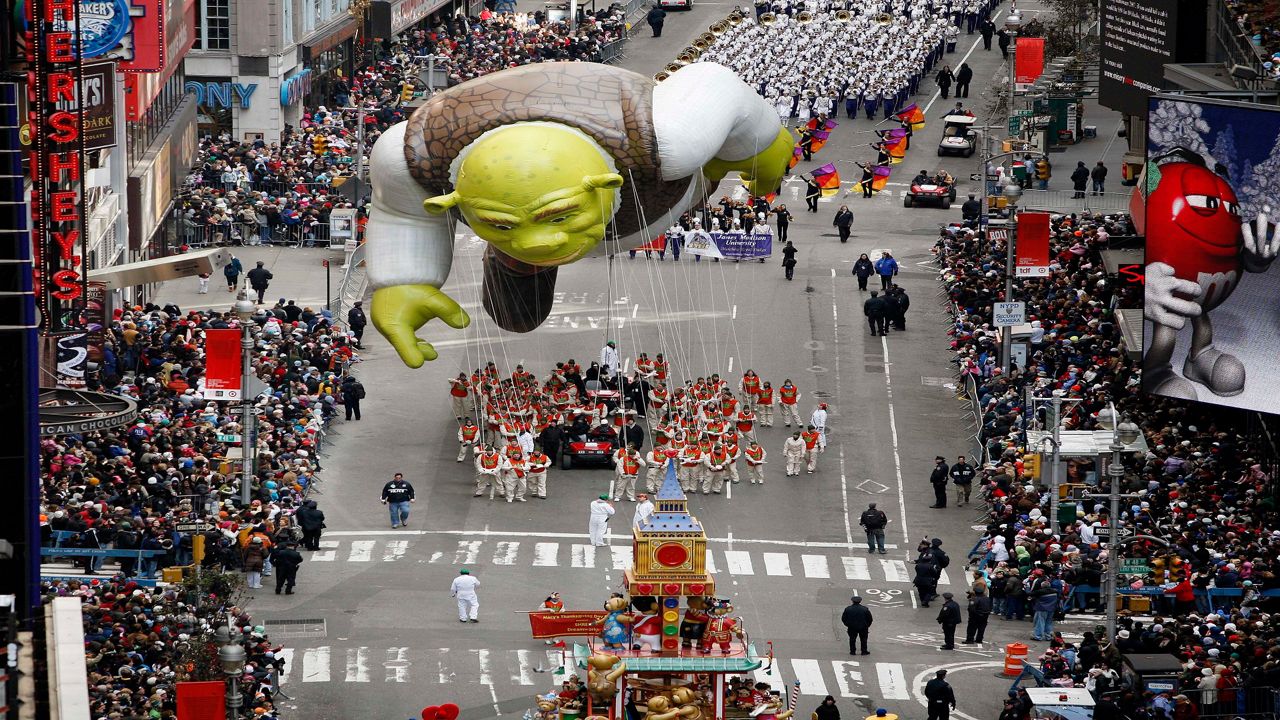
1032, 245
568, 623
734, 245
222, 363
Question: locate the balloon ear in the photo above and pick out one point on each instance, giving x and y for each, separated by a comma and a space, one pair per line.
448, 711
610, 181
441, 204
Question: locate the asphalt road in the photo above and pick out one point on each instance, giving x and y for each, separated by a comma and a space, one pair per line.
385, 640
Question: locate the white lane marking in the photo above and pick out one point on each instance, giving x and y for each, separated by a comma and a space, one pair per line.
315, 665
815, 566
325, 555
734, 314
730, 363
944, 578
357, 664
895, 570
769, 673
468, 552
847, 677
835, 341
567, 536
809, 673
443, 674
436, 557
897, 455
739, 562
397, 664
544, 554
893, 682
395, 550
523, 674
287, 655
855, 568
621, 556
505, 554
582, 556
361, 550
486, 677
711, 563
635, 311
777, 564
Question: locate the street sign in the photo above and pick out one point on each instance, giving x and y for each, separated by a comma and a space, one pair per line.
1015, 125
193, 527
1104, 533
1134, 566
975, 177
228, 438
1008, 314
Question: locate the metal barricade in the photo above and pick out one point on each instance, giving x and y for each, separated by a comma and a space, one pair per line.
1252, 702
1062, 201
612, 51
298, 234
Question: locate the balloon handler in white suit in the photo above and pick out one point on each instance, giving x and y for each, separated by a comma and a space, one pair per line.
543, 161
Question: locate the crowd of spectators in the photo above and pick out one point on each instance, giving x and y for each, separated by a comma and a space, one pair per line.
283, 192
1259, 22
129, 488
1201, 487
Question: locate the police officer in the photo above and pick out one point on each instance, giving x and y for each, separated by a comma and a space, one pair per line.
941, 698
286, 560
962, 476
939, 478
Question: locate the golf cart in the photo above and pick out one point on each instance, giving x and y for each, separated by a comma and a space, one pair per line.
596, 446
938, 190
958, 136
1052, 703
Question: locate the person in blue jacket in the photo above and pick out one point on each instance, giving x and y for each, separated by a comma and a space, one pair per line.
233, 270
886, 268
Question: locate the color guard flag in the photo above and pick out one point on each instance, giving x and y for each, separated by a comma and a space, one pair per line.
895, 148
828, 179
819, 140
659, 243
913, 116
827, 125
880, 177
795, 157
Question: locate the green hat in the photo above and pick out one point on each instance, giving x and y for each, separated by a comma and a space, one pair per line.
604, 497
464, 571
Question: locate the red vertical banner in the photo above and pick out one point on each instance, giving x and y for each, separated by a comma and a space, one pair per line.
222, 364
1032, 245
202, 700
1028, 61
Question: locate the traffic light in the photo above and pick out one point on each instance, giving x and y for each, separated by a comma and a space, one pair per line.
319, 143
1157, 570
406, 93
1042, 169
1177, 569
1031, 465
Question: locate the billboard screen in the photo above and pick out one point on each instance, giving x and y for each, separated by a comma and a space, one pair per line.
1138, 38
1205, 204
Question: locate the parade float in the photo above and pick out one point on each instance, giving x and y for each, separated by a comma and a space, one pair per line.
665, 648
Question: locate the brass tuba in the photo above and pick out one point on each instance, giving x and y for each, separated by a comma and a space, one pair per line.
701, 45
768, 19
661, 75
843, 16
673, 67
719, 27
883, 18
735, 18
804, 17
688, 55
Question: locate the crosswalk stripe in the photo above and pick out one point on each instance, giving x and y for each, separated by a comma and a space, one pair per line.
809, 673
777, 564
855, 568
739, 562
523, 674
287, 655
895, 570
847, 677
395, 550
769, 673
506, 552
944, 578
711, 563
815, 566
582, 556
397, 664
544, 554
328, 554
315, 665
443, 673
468, 552
486, 669
361, 551
621, 556
893, 682
357, 664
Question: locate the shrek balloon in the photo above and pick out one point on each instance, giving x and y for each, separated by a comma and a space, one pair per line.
542, 162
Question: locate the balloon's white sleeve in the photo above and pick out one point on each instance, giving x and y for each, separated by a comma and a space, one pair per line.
404, 245
706, 111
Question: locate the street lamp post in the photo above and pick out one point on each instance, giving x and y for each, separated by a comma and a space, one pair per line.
232, 658
244, 310
1012, 192
1055, 478
1125, 434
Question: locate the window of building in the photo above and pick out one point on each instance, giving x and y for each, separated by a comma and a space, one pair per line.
213, 25
144, 132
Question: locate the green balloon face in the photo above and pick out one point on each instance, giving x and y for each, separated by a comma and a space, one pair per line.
539, 193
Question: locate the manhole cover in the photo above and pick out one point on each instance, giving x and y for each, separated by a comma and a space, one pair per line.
296, 628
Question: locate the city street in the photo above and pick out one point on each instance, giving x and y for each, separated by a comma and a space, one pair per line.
381, 637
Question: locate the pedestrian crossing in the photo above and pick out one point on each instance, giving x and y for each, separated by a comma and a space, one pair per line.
479, 553
528, 668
